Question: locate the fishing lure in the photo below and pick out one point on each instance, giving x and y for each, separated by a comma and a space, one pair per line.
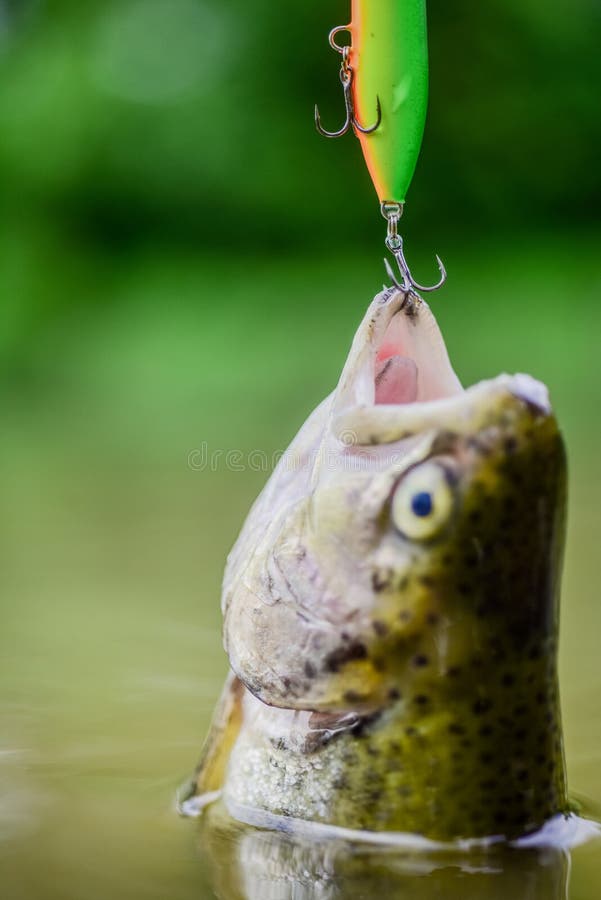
386, 68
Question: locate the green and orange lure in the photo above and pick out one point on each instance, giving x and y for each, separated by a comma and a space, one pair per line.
384, 75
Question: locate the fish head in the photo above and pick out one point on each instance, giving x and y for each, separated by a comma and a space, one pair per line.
410, 536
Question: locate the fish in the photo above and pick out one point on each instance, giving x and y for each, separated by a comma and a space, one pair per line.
391, 605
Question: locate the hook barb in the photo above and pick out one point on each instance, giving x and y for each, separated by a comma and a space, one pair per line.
329, 134
371, 128
408, 284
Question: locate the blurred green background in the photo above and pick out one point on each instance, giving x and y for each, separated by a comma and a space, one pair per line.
183, 261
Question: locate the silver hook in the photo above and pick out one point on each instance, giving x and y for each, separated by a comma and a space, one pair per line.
346, 79
392, 212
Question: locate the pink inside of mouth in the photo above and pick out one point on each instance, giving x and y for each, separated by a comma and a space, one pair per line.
395, 371
396, 379
412, 364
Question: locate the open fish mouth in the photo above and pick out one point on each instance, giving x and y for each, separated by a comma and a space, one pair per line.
398, 380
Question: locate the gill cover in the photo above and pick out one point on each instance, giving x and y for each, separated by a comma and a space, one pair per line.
298, 596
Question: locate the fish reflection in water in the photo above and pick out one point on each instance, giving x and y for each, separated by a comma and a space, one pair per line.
250, 863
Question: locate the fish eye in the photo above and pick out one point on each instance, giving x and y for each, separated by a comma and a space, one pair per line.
422, 502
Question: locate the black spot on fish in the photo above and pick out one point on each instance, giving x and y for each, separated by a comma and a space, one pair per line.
337, 658
310, 670
420, 661
456, 728
482, 706
379, 582
394, 694
381, 628
352, 697
421, 699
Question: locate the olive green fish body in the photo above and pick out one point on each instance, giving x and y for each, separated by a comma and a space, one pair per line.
391, 606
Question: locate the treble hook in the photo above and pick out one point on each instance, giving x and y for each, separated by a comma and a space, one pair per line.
346, 79
392, 212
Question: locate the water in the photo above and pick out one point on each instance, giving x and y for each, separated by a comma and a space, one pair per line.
307, 862
112, 550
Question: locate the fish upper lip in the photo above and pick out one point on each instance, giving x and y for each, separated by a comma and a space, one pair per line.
392, 328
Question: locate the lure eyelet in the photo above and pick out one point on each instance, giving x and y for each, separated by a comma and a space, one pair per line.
392, 212
332, 39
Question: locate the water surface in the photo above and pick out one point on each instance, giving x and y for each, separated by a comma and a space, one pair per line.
113, 546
